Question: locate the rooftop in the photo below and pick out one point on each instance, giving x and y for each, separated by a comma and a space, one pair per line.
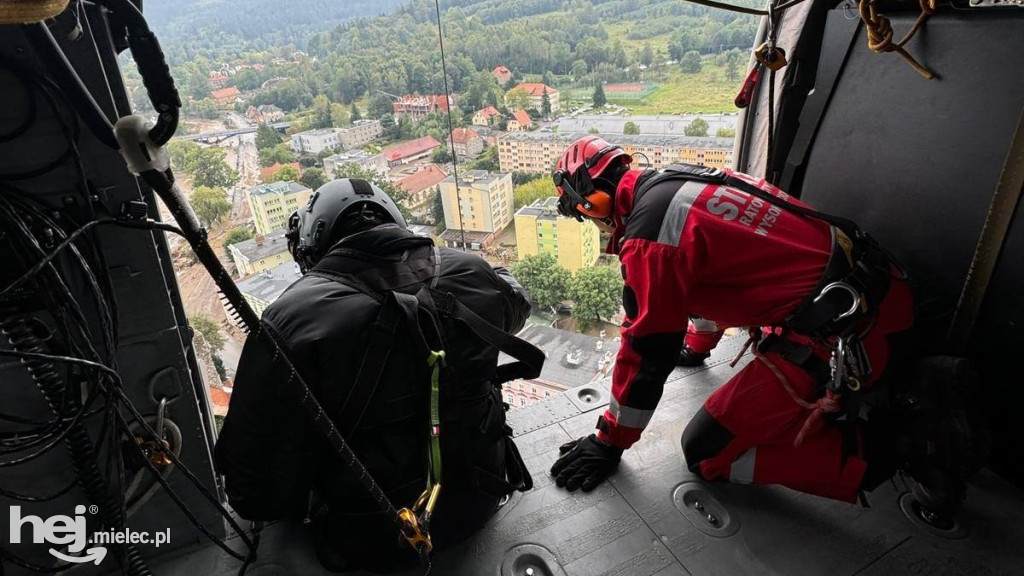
270, 284
463, 135
278, 188
410, 148
476, 177
573, 359
317, 132
456, 235
488, 112
661, 124
565, 138
229, 92
260, 247
536, 88
546, 209
268, 171
422, 179
522, 117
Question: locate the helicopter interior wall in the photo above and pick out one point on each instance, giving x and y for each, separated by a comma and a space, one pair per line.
155, 355
916, 162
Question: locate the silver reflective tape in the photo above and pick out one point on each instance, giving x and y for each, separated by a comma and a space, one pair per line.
702, 325
742, 471
675, 217
630, 417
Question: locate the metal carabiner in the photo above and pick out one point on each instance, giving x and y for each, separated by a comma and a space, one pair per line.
849, 289
160, 411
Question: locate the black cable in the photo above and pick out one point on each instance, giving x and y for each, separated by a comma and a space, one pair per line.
451, 129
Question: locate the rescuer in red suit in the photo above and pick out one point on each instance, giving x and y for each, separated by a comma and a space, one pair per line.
737, 251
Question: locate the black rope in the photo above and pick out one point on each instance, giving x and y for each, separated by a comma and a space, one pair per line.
451, 129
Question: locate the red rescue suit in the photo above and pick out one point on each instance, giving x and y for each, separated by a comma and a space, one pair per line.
734, 259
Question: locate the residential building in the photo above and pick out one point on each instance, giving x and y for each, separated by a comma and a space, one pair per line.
489, 135
217, 78
573, 360
421, 186
264, 114
537, 152
481, 203
267, 172
273, 203
374, 162
536, 90
485, 116
410, 151
261, 253
649, 125
264, 288
466, 143
417, 107
539, 230
502, 75
315, 141
520, 122
360, 133
225, 97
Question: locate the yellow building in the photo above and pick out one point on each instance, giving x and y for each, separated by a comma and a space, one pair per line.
273, 203
539, 230
481, 203
260, 253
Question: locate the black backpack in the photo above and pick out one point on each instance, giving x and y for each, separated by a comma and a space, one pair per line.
386, 420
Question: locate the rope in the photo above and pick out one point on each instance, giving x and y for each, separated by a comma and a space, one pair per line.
827, 404
880, 33
742, 9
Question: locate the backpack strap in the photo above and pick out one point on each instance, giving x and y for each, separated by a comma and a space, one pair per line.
529, 358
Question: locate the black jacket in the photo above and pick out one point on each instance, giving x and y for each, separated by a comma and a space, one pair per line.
269, 451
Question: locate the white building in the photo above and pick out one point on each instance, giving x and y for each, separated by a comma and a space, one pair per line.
360, 133
315, 141
375, 162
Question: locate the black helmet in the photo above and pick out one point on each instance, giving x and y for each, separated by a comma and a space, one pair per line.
312, 230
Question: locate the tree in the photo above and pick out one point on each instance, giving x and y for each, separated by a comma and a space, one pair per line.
339, 116
281, 153
726, 132
538, 189
353, 113
596, 292
579, 69
699, 127
732, 68
437, 210
286, 173
545, 104
599, 97
546, 281
488, 161
183, 154
517, 99
234, 236
631, 128
267, 137
441, 156
647, 55
210, 169
210, 330
313, 178
321, 112
593, 130
380, 104
690, 62
210, 204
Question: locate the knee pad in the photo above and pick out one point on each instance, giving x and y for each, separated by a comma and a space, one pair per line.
703, 438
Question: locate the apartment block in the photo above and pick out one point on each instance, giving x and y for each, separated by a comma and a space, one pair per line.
273, 203
539, 230
482, 202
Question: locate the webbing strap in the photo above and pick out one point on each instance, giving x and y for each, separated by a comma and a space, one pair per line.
436, 361
378, 350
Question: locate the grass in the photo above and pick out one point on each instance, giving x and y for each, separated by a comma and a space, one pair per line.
620, 30
706, 91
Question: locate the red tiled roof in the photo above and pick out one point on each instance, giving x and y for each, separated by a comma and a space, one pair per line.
500, 70
623, 88
489, 111
536, 88
410, 148
271, 170
220, 398
463, 135
422, 180
229, 92
522, 117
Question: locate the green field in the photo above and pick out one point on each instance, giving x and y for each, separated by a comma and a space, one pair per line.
706, 91
619, 32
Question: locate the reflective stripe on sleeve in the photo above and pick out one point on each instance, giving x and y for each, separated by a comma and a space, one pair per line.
630, 417
742, 470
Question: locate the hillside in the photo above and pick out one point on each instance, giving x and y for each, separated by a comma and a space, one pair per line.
227, 28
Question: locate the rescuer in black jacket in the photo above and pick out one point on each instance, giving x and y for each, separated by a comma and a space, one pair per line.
350, 242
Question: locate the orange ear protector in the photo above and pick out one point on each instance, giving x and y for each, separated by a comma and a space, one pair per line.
600, 205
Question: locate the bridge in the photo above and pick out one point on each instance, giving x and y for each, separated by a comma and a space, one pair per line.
230, 133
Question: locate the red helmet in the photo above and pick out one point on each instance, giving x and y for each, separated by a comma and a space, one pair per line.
575, 186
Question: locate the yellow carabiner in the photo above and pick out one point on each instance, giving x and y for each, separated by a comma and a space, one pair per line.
417, 538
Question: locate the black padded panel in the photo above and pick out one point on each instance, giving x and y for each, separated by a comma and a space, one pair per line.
916, 162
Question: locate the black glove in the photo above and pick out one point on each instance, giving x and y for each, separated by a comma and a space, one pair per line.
689, 358
584, 463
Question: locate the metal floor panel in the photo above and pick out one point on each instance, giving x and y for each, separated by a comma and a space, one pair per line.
631, 525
